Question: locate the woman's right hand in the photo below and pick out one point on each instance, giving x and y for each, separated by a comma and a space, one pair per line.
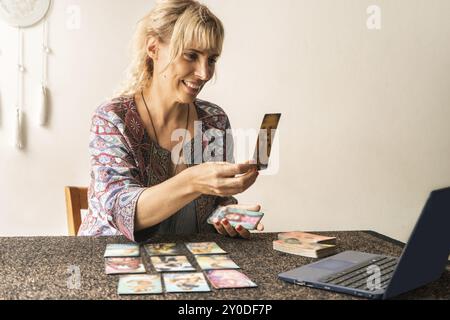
223, 179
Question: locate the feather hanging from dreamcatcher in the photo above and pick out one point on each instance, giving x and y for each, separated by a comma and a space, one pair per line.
44, 92
43, 106
18, 134
18, 121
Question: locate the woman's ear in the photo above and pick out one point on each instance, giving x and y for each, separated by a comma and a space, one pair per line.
152, 48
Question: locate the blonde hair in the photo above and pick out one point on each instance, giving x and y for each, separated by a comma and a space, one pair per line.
182, 23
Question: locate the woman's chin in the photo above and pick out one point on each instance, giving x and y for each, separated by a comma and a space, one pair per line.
187, 99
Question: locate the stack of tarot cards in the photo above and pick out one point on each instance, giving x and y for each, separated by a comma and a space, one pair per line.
175, 269
305, 244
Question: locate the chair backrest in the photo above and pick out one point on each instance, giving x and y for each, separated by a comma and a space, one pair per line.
76, 200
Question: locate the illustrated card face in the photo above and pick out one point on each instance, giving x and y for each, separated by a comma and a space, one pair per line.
185, 282
229, 279
139, 284
124, 265
122, 250
171, 263
247, 219
162, 249
204, 248
265, 140
211, 262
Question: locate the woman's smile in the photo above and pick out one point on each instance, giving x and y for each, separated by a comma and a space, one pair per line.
191, 88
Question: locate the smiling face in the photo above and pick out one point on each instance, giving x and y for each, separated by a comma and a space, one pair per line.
183, 78
183, 39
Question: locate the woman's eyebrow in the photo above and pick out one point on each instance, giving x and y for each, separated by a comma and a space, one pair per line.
202, 53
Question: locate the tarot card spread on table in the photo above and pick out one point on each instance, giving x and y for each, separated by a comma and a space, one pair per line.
185, 282
163, 249
140, 284
204, 248
209, 262
122, 250
171, 263
124, 265
229, 279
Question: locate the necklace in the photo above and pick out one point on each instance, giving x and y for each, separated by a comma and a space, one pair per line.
156, 135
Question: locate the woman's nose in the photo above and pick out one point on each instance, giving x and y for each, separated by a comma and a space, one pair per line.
203, 71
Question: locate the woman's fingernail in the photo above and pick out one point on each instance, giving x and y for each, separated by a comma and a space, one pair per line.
225, 222
239, 228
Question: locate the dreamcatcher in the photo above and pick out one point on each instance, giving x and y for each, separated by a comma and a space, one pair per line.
23, 14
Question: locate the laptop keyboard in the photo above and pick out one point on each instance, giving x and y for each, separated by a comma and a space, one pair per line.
357, 277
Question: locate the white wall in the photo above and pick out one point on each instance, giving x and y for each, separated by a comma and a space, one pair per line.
364, 135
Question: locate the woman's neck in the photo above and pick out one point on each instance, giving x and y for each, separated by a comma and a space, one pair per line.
162, 107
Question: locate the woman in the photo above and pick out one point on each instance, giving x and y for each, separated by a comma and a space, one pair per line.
141, 184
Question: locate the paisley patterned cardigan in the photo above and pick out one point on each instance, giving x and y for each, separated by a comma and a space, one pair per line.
125, 161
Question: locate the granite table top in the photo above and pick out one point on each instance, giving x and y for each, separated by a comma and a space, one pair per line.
40, 268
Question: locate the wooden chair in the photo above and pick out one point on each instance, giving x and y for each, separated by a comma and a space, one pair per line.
76, 200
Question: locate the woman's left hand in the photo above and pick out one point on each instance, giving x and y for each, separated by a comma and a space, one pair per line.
224, 227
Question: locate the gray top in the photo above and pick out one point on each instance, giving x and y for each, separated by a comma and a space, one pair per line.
183, 222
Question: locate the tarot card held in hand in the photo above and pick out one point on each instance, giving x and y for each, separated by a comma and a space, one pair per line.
172, 263
210, 262
124, 265
204, 248
229, 279
247, 219
122, 250
185, 282
162, 249
140, 284
265, 140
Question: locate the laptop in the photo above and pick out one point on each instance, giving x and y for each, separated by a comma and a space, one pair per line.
374, 276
